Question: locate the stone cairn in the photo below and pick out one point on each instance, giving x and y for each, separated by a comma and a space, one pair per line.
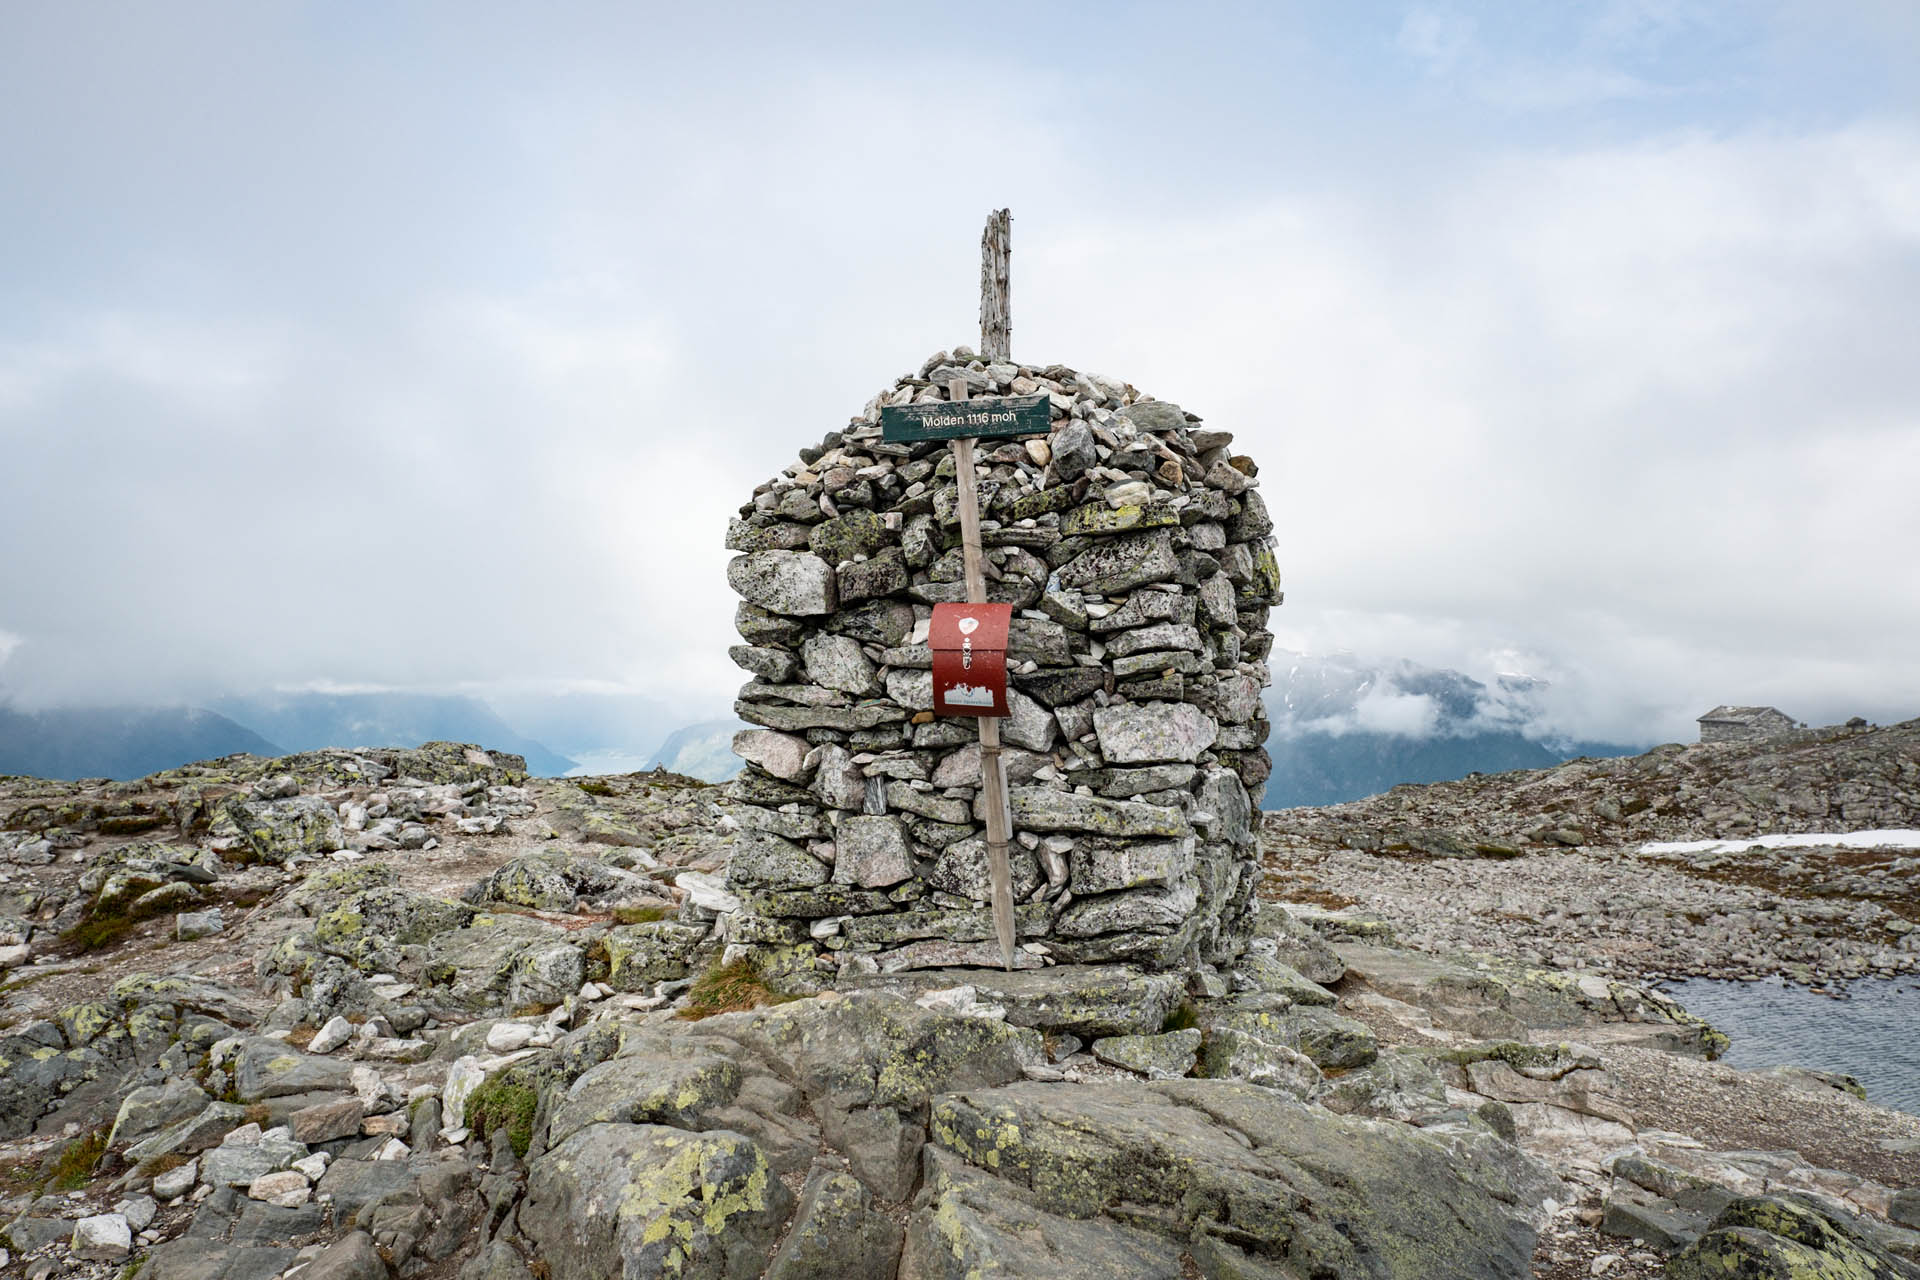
1135, 550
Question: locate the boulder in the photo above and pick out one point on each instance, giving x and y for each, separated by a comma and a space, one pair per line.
645, 1200
104, 1237
837, 1233
272, 1068
1300, 1190
1777, 1238
351, 1257
279, 830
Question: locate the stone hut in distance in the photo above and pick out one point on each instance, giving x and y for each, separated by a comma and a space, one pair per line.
1744, 724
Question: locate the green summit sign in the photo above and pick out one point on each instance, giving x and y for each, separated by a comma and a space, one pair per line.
958, 419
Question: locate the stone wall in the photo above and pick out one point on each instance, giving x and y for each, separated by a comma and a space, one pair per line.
1135, 549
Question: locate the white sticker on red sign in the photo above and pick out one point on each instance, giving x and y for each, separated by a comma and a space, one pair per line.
969, 643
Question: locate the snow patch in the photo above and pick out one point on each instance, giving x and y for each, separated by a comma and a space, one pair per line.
1884, 839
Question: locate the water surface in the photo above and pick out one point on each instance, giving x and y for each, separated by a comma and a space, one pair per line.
1872, 1035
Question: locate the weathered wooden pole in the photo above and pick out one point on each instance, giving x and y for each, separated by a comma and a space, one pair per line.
995, 333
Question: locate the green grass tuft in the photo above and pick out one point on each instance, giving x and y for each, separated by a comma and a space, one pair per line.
729, 989
1180, 1019
73, 1168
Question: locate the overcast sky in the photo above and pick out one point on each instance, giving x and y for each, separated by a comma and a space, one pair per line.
430, 346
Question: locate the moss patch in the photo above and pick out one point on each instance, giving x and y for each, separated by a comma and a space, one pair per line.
640, 915
730, 988
501, 1102
73, 1168
1180, 1019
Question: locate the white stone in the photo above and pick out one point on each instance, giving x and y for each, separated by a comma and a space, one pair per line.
1153, 732
707, 892
505, 1037
176, 1182
368, 1086
335, 1033
314, 1165
104, 1237
463, 1077
247, 1135
393, 1149
137, 1210
288, 1189
784, 755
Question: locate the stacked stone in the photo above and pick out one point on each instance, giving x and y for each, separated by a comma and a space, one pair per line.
1135, 550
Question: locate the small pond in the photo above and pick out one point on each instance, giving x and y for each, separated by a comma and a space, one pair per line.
1872, 1033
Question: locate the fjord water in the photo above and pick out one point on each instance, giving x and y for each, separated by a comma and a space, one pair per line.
1871, 1034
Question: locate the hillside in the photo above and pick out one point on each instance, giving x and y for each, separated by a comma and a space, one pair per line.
1563, 865
118, 742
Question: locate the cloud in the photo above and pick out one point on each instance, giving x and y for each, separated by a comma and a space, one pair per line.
1382, 710
452, 380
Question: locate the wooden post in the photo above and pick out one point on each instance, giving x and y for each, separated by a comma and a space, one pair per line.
993, 769
996, 287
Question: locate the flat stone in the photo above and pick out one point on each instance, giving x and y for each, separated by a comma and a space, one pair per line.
775, 666
1159, 636
1045, 809
325, 1121
872, 852
1119, 563
270, 1068
882, 575
643, 1200
1152, 732
195, 1259
1239, 1055
837, 662
1104, 866
784, 755
1259, 972
287, 1189
1135, 911
189, 925
1098, 519
1088, 1001
785, 582
764, 861
859, 532
1347, 1197
351, 1257
176, 1181
1165, 1056
334, 1033
1027, 723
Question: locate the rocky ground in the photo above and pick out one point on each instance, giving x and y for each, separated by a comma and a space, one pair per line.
410, 1013
1546, 866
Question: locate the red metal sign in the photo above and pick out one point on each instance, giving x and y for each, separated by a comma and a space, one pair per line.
969, 643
